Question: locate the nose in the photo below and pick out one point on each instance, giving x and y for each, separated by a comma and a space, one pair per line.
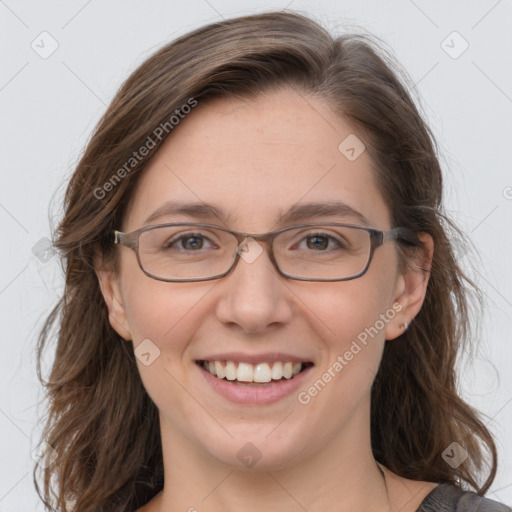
253, 295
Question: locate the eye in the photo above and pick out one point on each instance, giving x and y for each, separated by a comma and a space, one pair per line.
188, 242
321, 242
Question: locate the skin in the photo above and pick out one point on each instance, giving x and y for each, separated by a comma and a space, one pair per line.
256, 158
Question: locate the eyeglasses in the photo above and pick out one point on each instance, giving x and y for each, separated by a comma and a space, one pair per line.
186, 252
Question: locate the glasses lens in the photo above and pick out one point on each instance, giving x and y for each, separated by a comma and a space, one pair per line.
313, 252
186, 252
323, 252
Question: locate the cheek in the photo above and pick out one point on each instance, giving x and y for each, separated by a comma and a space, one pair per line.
163, 318
157, 310
348, 322
344, 310
350, 318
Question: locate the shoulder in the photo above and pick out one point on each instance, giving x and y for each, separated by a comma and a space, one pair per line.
449, 498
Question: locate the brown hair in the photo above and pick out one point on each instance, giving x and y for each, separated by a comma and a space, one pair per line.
101, 422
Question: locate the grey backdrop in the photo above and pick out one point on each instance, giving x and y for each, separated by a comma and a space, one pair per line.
61, 63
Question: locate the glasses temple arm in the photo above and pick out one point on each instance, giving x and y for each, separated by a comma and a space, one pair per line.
407, 235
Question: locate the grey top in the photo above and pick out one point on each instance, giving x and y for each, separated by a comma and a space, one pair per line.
448, 498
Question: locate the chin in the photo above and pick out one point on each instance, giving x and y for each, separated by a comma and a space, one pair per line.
258, 451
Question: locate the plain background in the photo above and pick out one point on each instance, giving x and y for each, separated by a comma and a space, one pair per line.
49, 107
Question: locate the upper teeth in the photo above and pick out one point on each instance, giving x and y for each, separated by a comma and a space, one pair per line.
246, 372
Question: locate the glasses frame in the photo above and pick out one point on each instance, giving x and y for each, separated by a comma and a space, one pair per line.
377, 238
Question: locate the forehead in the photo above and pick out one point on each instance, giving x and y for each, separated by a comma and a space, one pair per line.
256, 158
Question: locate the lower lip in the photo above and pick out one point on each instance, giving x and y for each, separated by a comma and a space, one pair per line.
253, 394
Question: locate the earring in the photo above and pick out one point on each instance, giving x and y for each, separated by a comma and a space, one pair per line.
404, 326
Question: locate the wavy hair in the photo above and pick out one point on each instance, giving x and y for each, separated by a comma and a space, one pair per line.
100, 420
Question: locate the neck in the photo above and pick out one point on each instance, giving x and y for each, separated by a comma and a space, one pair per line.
343, 477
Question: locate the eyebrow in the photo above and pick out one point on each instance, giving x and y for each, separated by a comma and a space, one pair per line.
297, 213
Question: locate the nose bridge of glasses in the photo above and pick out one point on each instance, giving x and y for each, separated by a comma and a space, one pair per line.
251, 246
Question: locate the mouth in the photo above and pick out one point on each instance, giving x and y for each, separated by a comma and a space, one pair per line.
263, 374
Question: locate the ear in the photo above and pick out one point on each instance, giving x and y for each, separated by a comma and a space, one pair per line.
111, 291
411, 287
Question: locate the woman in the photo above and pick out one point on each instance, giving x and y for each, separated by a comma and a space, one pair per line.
262, 303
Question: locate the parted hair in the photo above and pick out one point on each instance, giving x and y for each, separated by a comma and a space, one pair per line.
100, 420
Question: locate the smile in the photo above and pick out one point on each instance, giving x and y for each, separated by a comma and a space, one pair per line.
258, 383
240, 372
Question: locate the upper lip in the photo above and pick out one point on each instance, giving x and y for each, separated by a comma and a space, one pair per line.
243, 357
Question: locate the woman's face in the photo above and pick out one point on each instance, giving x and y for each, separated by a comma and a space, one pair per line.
255, 160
